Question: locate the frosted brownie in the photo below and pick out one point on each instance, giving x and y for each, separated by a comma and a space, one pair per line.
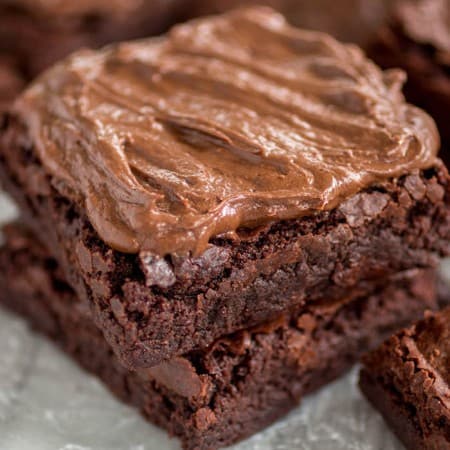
407, 380
41, 32
200, 183
242, 382
417, 39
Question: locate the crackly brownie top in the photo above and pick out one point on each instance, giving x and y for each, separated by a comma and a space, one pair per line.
421, 354
227, 122
432, 339
426, 22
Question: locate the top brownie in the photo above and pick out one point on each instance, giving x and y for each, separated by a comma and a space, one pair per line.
205, 181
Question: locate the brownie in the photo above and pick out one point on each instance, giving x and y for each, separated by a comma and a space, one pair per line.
207, 199
407, 380
40, 33
417, 39
242, 382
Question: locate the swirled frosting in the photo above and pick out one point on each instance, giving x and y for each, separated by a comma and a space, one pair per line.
226, 122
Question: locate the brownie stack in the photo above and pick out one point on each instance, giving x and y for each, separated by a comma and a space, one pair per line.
217, 227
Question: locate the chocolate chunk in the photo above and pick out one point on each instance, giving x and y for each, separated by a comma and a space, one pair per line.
362, 207
157, 271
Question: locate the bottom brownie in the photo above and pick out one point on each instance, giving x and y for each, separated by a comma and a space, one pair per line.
407, 379
239, 385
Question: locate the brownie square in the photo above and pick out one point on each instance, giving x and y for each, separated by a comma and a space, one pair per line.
193, 187
41, 33
242, 382
417, 39
407, 380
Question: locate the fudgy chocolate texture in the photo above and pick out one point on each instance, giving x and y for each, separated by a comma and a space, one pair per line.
166, 143
238, 385
152, 311
40, 33
417, 39
407, 380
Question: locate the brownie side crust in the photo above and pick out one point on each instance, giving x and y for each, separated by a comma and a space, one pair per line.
407, 378
239, 385
396, 226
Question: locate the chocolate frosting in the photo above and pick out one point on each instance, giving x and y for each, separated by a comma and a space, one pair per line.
426, 21
227, 122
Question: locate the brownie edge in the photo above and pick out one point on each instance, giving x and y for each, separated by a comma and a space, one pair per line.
407, 380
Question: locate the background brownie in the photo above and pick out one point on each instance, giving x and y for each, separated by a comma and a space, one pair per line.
242, 382
41, 32
407, 379
417, 39
196, 214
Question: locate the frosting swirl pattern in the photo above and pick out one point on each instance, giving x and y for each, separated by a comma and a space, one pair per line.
226, 122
